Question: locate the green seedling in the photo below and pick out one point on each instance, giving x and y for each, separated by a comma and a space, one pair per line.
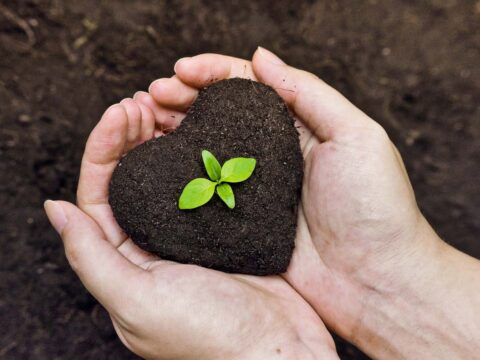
199, 191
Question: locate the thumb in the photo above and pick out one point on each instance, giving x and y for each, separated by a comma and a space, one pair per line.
110, 277
320, 107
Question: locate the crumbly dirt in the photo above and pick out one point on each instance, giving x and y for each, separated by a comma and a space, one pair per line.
412, 65
231, 118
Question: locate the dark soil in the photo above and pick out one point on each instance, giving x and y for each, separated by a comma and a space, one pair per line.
231, 118
410, 64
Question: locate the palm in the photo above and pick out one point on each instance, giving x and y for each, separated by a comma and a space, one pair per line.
342, 236
217, 313
347, 205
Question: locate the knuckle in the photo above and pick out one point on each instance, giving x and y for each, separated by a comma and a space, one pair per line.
72, 252
312, 76
73, 259
131, 312
378, 131
369, 132
378, 135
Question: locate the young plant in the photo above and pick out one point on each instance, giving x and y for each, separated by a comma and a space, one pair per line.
199, 191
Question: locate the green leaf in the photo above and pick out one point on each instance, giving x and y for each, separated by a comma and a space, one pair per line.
226, 194
237, 170
211, 165
197, 193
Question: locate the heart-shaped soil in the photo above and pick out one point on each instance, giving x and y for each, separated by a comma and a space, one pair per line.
231, 118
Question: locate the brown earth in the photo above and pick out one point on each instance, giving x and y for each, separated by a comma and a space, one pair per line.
231, 118
410, 64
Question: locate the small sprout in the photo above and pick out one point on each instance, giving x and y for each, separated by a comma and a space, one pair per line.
225, 192
199, 191
211, 165
237, 170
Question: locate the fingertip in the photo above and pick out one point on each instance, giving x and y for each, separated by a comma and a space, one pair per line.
156, 87
132, 110
114, 122
187, 69
273, 72
115, 112
202, 70
134, 115
56, 215
268, 56
181, 64
107, 140
320, 107
146, 111
160, 90
172, 93
67, 218
129, 105
145, 99
148, 123
268, 67
101, 267
141, 97
167, 119
137, 95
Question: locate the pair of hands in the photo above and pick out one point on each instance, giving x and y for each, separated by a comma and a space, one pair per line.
359, 238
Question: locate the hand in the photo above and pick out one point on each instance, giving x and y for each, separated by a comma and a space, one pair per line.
161, 309
366, 259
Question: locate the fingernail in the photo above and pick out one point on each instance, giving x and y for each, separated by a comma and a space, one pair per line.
269, 56
185, 59
56, 215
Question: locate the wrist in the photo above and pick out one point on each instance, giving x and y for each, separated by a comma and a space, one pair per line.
425, 306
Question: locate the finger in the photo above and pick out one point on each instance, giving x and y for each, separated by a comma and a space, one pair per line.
148, 124
167, 120
307, 139
136, 255
104, 148
110, 277
172, 93
134, 115
320, 107
201, 70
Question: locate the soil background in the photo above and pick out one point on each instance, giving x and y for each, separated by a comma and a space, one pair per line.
410, 64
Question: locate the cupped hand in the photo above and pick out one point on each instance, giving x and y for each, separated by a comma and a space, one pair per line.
360, 233
161, 309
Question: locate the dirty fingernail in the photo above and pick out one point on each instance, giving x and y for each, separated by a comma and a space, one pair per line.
184, 60
269, 56
56, 215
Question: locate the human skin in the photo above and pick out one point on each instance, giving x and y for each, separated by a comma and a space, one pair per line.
366, 259
165, 310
